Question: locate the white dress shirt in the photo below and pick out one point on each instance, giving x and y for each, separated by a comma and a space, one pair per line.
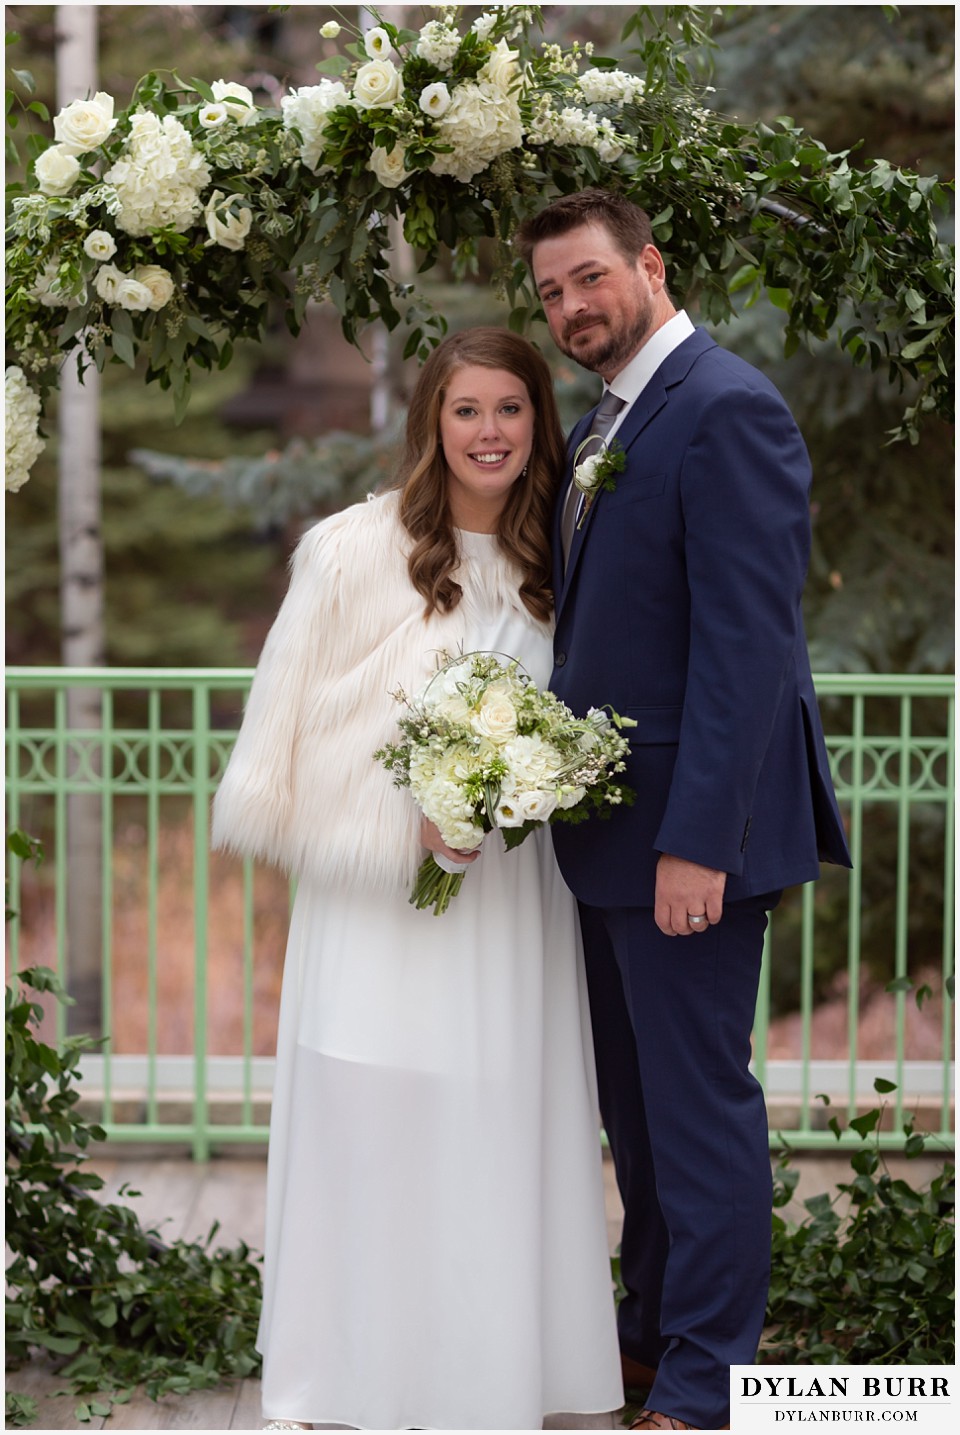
631, 381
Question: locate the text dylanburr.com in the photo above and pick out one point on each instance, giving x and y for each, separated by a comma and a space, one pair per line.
767, 1399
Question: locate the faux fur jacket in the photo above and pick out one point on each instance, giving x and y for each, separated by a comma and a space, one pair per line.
301, 789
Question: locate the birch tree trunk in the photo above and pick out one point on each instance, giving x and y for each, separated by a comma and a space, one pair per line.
81, 588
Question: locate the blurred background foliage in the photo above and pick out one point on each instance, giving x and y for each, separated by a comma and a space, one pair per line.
199, 520
196, 552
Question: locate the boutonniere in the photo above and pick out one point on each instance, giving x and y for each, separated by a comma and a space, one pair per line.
597, 472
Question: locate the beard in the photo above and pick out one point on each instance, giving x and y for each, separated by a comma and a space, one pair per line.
612, 341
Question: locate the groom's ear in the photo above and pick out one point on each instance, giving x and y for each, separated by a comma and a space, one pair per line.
651, 261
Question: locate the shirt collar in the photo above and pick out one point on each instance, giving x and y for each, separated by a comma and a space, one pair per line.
634, 377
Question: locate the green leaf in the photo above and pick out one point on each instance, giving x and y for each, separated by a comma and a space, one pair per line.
202, 88
122, 336
25, 78
863, 1125
883, 1086
779, 297
335, 65
61, 1345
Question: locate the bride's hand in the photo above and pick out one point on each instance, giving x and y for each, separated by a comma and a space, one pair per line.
431, 839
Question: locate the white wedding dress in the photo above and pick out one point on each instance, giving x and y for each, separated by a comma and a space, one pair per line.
436, 1253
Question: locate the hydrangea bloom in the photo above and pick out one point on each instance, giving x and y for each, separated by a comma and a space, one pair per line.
23, 445
159, 177
307, 110
482, 122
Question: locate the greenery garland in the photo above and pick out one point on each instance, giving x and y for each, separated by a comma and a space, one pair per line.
87, 1284
172, 228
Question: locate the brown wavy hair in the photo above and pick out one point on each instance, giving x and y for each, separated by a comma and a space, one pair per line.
523, 529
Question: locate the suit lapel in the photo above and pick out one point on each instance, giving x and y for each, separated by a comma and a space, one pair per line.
649, 403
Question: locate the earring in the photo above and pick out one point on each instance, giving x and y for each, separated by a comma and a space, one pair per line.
523, 471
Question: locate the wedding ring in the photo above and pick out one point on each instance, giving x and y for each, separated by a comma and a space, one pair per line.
695, 919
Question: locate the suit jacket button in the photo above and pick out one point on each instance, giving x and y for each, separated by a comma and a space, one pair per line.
560, 659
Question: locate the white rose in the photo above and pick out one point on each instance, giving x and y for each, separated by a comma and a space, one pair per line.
376, 42
133, 295
158, 281
330, 30
224, 227
586, 473
501, 69
537, 805
388, 165
245, 113
108, 281
22, 443
435, 99
85, 124
497, 717
378, 84
99, 245
212, 116
57, 170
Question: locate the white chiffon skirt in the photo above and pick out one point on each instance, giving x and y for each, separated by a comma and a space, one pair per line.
436, 1253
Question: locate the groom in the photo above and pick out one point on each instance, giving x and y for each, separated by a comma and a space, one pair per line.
678, 602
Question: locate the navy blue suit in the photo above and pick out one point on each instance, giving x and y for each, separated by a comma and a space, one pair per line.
680, 606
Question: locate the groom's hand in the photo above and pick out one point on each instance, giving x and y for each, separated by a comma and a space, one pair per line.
685, 890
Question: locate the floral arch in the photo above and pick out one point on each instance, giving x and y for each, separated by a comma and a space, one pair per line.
169, 228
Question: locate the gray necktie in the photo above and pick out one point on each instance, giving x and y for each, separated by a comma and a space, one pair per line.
603, 421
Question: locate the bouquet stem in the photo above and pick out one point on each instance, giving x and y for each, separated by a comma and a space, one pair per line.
434, 887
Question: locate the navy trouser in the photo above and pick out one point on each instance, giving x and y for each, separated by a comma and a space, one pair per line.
687, 1125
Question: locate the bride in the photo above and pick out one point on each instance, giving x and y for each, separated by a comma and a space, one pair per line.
435, 1251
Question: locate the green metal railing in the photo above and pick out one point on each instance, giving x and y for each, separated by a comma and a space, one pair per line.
163, 742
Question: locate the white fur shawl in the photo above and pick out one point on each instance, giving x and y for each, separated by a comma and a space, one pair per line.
301, 789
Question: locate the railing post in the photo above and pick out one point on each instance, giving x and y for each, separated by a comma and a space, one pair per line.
105, 702
949, 879
855, 898
13, 864
153, 875
201, 874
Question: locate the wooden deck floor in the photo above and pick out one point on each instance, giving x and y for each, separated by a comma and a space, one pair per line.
183, 1199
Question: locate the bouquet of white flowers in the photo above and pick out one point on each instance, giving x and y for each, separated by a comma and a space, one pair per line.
484, 748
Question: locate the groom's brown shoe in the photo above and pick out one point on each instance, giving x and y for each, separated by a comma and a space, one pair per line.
655, 1420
